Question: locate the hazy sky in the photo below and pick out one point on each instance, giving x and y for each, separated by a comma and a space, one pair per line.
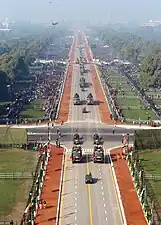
93, 10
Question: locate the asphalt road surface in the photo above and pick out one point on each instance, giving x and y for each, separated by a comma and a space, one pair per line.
83, 204
94, 204
68, 130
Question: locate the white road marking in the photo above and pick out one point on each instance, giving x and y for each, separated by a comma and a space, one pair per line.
75, 186
102, 187
75, 193
76, 204
106, 218
104, 205
105, 212
75, 210
75, 218
102, 193
86, 150
76, 198
103, 199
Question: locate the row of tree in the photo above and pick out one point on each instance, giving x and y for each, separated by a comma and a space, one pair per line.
144, 53
21, 53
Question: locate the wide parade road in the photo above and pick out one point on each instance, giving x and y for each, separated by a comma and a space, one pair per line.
84, 204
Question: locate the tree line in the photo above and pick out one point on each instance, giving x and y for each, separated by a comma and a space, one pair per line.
146, 54
21, 52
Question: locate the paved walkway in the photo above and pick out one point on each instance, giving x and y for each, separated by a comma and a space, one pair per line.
51, 188
132, 206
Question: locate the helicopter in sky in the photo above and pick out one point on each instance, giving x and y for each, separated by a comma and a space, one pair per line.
54, 23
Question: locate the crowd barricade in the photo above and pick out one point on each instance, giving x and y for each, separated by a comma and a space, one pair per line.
29, 146
36, 189
6, 222
150, 205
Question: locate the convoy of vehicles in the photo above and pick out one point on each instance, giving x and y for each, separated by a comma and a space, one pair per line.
82, 82
84, 110
77, 139
88, 178
90, 100
76, 99
98, 154
77, 152
77, 155
97, 140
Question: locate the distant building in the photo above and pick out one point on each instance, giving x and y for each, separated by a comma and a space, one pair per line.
151, 23
4, 25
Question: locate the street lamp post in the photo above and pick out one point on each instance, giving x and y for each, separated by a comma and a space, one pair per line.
49, 135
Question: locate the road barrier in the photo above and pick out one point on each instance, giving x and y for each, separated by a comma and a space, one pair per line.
36, 189
148, 200
62, 91
118, 192
155, 177
103, 88
60, 189
8, 222
63, 86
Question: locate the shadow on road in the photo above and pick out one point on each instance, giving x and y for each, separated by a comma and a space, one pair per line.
95, 180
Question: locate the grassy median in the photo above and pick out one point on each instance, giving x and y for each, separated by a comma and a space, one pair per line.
151, 162
131, 105
14, 193
10, 135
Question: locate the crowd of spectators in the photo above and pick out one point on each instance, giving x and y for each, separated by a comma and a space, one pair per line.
45, 82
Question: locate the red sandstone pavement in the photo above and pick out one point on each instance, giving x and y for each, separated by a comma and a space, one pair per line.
65, 102
51, 188
132, 207
103, 107
52, 179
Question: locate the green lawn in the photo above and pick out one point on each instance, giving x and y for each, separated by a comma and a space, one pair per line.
151, 161
118, 81
23, 160
33, 110
130, 102
138, 114
12, 135
14, 193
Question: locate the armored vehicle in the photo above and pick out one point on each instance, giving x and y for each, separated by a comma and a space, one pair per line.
76, 154
98, 154
88, 178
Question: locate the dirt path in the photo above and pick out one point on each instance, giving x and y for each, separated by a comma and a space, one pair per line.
65, 102
51, 188
132, 206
